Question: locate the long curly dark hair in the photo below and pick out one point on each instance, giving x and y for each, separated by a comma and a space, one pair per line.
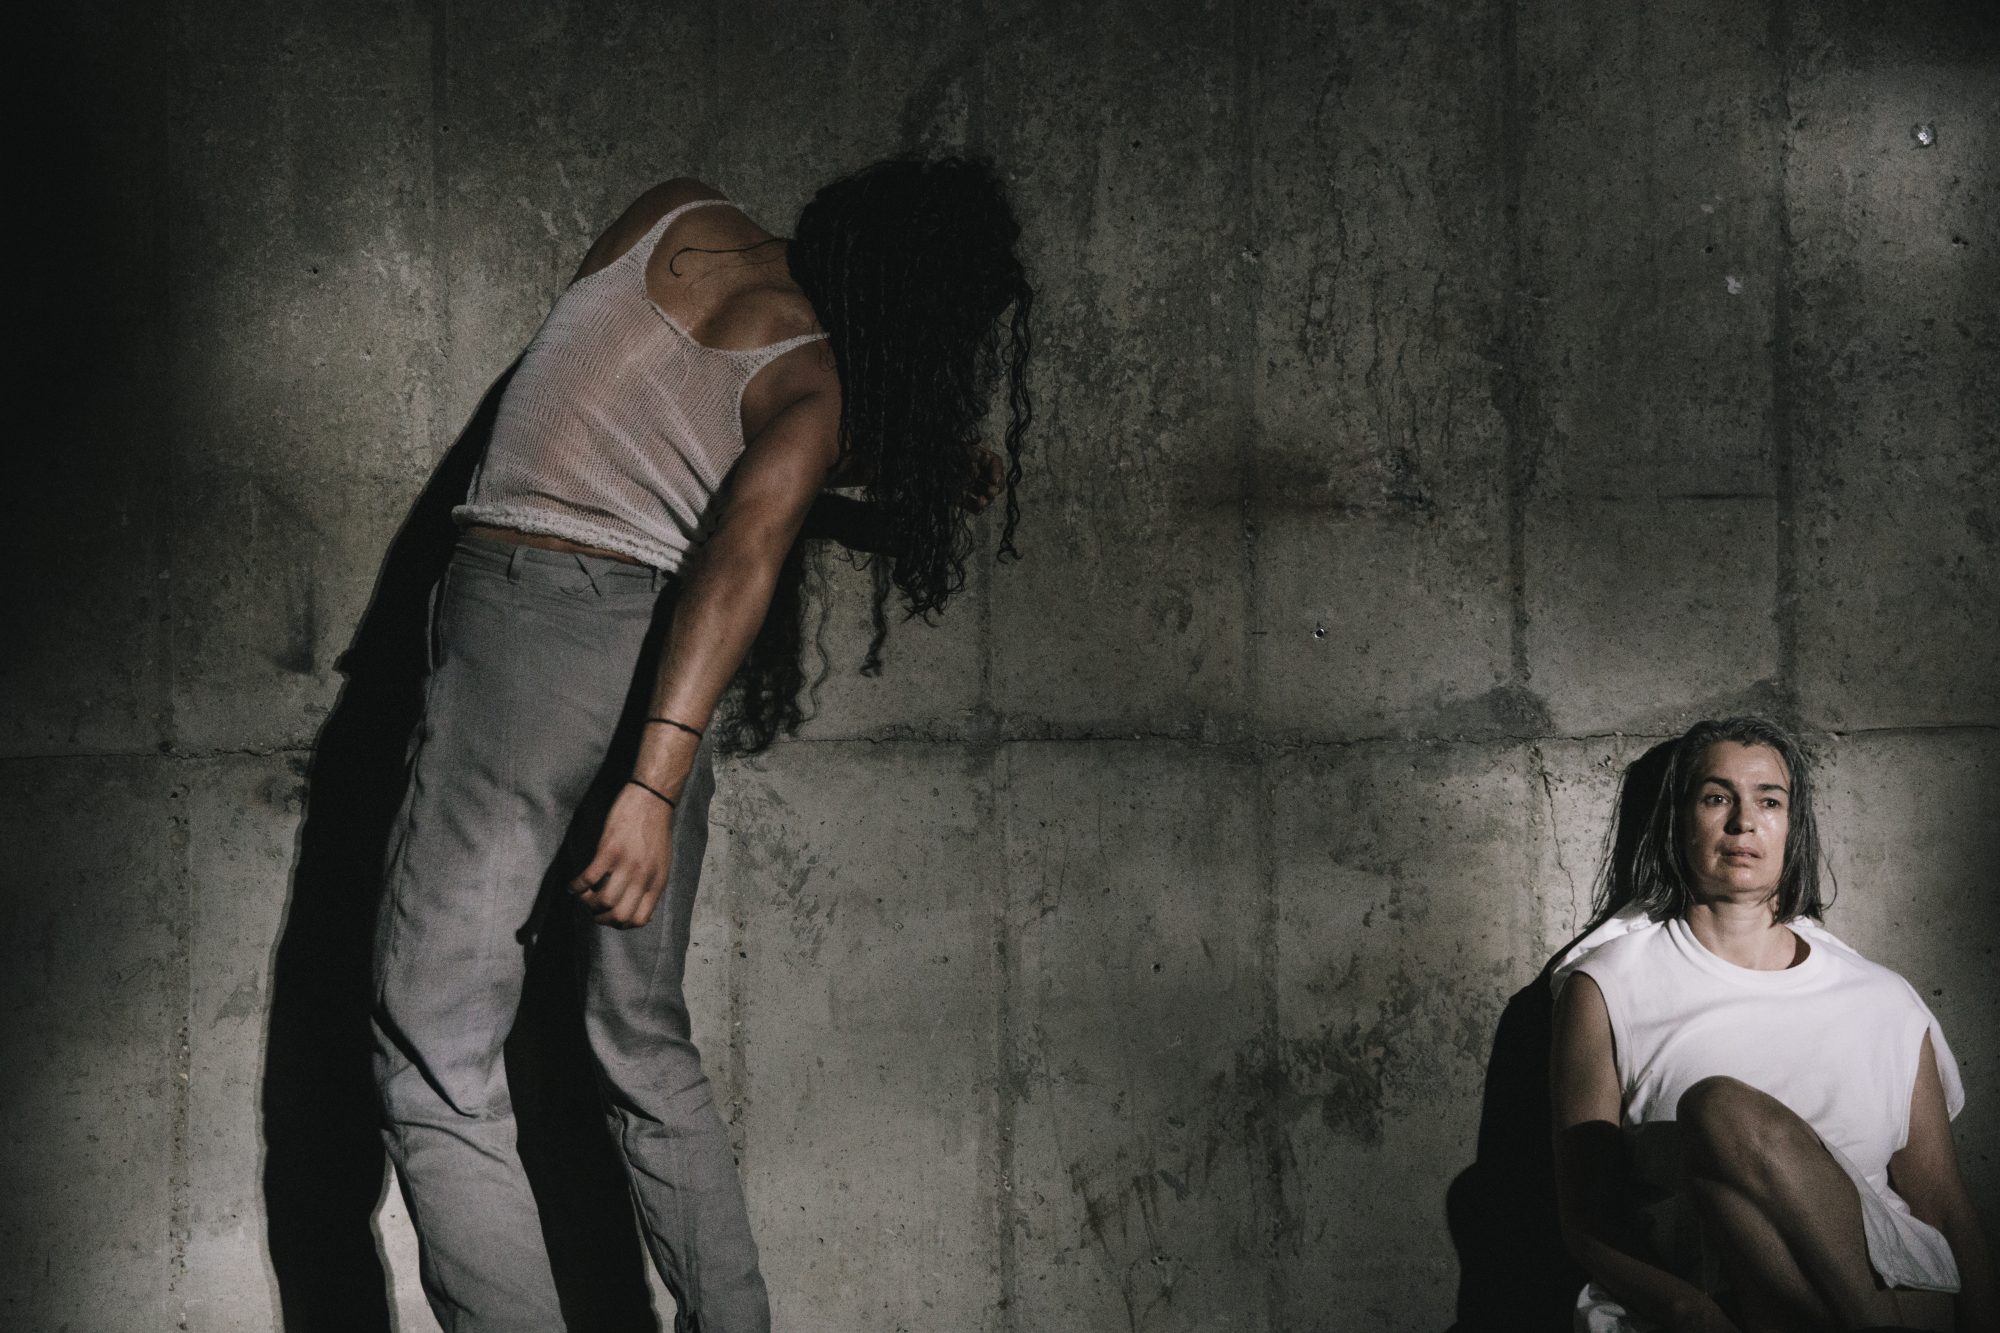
910, 266
1654, 872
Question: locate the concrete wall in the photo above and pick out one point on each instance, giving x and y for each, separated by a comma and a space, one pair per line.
1438, 403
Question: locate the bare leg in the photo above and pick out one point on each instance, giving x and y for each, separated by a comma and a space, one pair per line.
1778, 1210
1768, 1292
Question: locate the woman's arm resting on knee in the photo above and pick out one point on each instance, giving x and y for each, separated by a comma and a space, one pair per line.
721, 606
1925, 1173
1590, 1170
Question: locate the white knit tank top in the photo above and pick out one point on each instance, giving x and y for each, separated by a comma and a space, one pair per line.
618, 427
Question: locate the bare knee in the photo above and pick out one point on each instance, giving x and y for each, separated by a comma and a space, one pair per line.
1717, 1099
1731, 1129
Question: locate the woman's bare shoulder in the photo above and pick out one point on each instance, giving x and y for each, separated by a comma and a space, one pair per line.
641, 214
664, 198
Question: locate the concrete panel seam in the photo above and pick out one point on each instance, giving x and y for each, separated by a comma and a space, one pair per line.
1292, 744
1784, 471
180, 1184
442, 431
1245, 747
170, 753
1012, 1078
1520, 462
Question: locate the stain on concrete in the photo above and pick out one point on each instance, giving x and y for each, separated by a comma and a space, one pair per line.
245, 1000
790, 879
1505, 710
1336, 1074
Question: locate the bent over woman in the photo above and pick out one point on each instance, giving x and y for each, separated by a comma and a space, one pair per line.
653, 464
1752, 1120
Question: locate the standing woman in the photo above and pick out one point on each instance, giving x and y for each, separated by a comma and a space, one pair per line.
632, 534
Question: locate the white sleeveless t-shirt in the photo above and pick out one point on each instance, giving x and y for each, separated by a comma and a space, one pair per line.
1836, 1038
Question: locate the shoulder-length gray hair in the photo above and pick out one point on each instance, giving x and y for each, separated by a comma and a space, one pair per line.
1655, 873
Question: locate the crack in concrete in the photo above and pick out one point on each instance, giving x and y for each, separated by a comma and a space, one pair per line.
1538, 763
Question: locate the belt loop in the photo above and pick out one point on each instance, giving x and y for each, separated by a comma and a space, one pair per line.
515, 559
586, 573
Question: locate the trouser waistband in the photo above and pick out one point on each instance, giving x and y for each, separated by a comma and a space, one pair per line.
534, 564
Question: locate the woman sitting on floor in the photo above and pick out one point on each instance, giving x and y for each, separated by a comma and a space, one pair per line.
1753, 1121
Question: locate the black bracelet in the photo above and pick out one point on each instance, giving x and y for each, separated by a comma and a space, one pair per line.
669, 722
672, 804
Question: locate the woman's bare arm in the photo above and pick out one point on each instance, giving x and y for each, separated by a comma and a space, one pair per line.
728, 590
1925, 1172
724, 596
1590, 1169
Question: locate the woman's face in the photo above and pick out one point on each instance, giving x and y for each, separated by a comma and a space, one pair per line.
1740, 812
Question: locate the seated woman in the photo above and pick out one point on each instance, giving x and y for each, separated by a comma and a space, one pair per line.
1752, 1121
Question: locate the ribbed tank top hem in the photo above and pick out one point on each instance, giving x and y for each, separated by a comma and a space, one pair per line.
545, 523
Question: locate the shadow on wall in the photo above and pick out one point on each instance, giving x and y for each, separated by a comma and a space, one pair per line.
324, 1167
1514, 1272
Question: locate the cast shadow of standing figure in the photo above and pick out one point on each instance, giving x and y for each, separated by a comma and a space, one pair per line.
324, 1167
1514, 1272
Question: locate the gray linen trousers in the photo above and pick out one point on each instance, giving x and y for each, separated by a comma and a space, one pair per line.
530, 720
